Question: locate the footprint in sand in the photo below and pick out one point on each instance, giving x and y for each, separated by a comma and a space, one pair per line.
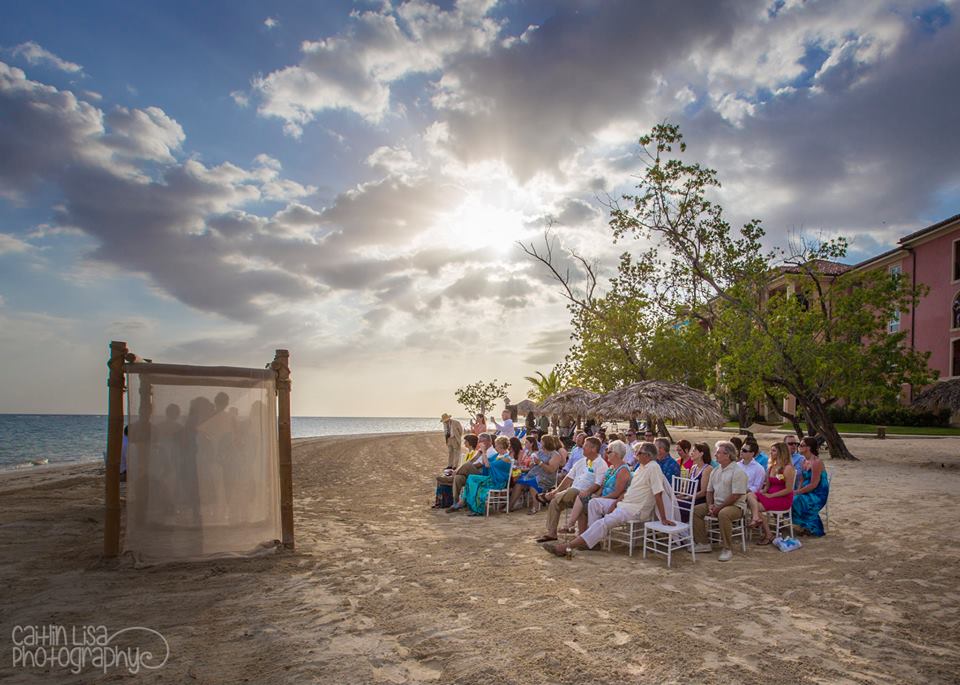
620, 638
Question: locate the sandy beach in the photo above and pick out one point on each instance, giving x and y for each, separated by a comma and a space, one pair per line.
383, 589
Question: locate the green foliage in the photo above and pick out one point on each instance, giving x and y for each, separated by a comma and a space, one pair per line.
890, 416
545, 386
478, 398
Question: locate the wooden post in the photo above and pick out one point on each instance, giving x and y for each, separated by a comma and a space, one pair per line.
115, 383
281, 365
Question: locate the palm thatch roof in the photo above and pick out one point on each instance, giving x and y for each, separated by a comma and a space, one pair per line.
939, 396
661, 400
526, 406
574, 402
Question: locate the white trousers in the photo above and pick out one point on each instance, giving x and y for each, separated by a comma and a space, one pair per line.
598, 507
598, 530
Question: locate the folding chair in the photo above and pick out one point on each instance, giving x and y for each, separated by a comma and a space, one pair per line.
739, 530
663, 539
781, 520
629, 534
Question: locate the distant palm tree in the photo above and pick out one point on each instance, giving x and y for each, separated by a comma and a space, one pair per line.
544, 386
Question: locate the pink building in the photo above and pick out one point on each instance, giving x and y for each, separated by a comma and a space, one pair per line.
930, 256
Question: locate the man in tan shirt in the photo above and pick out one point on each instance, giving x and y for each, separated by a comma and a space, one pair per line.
453, 432
725, 501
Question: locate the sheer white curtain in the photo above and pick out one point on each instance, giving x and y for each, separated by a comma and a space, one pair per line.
202, 473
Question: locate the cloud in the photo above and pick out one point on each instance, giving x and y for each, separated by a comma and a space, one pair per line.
549, 347
271, 22
147, 134
34, 54
354, 70
10, 244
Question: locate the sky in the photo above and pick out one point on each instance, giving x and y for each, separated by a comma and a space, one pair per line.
211, 181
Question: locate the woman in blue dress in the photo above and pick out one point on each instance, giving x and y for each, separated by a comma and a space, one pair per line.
814, 489
495, 475
542, 476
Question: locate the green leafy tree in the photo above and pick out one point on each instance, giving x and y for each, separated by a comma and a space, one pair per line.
825, 341
545, 386
479, 397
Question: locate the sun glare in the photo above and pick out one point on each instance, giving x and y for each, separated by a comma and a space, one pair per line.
485, 226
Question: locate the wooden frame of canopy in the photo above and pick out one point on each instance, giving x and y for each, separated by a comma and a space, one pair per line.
120, 356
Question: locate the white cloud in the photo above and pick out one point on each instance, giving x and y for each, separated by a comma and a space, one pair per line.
240, 97
271, 22
354, 70
34, 54
11, 244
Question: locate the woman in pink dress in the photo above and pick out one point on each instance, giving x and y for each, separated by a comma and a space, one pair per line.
776, 494
479, 425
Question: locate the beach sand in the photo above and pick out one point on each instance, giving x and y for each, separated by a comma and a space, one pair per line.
383, 589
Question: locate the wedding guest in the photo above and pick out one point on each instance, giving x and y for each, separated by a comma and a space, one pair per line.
452, 434
814, 489
649, 495
542, 476
616, 479
494, 475
776, 494
479, 425
585, 478
725, 495
700, 471
506, 428
667, 463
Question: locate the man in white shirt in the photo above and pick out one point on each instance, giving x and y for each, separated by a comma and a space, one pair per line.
725, 501
585, 478
755, 472
484, 446
649, 496
505, 428
632, 445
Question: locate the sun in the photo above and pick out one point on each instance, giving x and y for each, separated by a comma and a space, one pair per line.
483, 225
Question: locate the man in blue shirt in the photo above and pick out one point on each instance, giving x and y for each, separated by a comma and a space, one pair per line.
793, 444
667, 463
576, 454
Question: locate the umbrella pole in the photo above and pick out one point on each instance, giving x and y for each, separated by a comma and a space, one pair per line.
115, 382
281, 364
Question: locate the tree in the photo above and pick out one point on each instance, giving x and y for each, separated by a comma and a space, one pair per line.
478, 398
545, 386
825, 341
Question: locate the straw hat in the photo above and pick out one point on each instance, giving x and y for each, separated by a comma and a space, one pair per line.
445, 418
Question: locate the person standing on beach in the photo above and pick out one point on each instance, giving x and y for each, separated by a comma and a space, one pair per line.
506, 428
452, 434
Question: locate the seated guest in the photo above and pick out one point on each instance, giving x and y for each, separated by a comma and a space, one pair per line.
444, 496
576, 454
668, 464
649, 495
738, 443
479, 425
506, 428
683, 455
585, 478
814, 489
649, 435
531, 447
725, 494
761, 458
542, 476
776, 494
615, 483
632, 444
793, 444
516, 452
494, 475
700, 471
755, 473
474, 466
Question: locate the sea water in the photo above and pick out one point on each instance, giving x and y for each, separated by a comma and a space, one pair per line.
28, 439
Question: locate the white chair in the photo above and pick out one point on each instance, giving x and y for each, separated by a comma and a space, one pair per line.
500, 497
663, 539
629, 534
739, 530
781, 520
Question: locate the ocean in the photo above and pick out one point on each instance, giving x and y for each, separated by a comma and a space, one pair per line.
64, 438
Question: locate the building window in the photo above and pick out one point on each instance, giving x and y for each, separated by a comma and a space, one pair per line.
893, 326
955, 357
956, 312
956, 260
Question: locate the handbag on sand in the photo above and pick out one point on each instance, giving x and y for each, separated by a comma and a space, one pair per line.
787, 544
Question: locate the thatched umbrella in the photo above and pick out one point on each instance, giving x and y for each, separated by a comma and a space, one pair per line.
575, 402
939, 396
662, 400
526, 406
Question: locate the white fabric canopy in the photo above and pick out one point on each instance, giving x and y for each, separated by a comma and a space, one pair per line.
202, 462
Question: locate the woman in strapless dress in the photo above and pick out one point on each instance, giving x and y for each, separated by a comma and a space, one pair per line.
777, 492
